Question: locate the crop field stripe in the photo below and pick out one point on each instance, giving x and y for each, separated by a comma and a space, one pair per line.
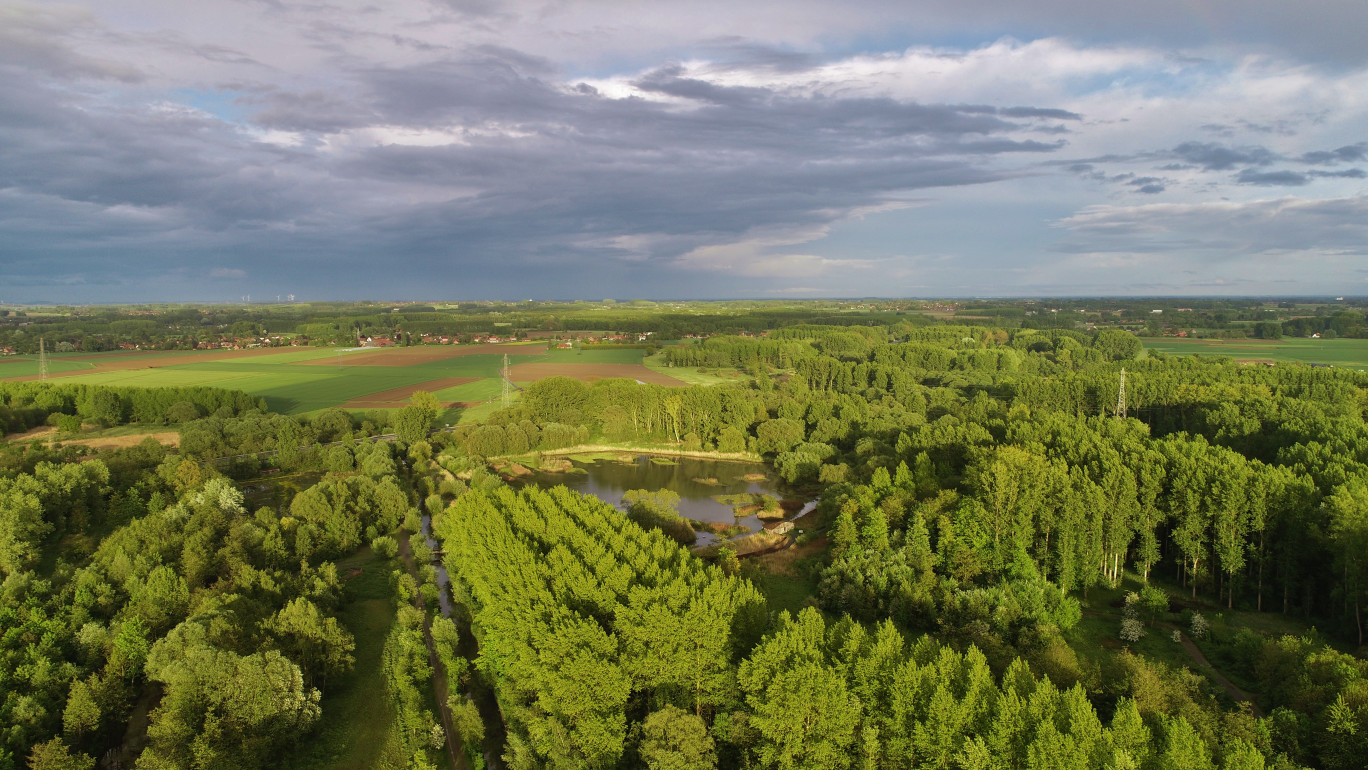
589, 372
607, 355
480, 390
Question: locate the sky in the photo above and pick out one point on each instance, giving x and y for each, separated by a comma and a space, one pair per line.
163, 150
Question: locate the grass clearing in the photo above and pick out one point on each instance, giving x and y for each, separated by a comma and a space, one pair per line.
357, 731
692, 375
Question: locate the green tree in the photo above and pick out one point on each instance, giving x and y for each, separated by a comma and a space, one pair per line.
674, 739
319, 644
22, 527
1348, 512
412, 424
82, 714
54, 755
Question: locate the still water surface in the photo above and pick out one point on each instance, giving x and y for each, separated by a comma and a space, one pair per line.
696, 481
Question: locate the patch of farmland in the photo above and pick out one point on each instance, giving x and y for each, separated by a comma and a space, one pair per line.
126, 361
607, 354
590, 373
398, 397
1333, 352
475, 391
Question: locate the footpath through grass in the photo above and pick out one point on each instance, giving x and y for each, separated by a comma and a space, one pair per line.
358, 728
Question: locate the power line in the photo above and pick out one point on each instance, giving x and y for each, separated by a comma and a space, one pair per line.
42, 359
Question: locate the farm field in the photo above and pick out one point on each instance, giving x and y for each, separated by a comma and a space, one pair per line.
587, 372
297, 381
1337, 352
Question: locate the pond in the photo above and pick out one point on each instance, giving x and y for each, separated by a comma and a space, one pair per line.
698, 482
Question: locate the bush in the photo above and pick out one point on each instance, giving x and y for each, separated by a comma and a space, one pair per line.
1132, 630
1198, 627
386, 546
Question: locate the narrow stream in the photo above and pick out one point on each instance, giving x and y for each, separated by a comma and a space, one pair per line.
443, 580
475, 690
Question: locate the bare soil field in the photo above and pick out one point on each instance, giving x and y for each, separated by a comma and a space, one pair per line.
48, 433
397, 397
590, 373
424, 354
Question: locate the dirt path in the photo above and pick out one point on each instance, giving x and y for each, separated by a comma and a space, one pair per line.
135, 734
1240, 696
1236, 694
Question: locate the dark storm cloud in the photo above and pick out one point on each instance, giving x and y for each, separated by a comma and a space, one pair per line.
452, 144
1346, 154
1272, 178
1216, 157
1149, 185
1349, 173
1222, 231
739, 53
35, 40
531, 172
315, 111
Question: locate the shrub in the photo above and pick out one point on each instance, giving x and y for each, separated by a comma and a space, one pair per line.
1132, 630
1198, 628
386, 546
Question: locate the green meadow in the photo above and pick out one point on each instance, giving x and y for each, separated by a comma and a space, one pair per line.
1337, 352
288, 385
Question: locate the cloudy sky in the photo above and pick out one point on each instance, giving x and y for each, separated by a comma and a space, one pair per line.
479, 149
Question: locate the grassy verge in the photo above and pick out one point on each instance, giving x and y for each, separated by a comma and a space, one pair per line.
357, 731
692, 375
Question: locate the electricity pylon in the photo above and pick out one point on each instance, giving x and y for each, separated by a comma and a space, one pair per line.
506, 376
1121, 395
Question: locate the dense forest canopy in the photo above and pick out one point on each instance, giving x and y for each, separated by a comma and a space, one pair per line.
980, 488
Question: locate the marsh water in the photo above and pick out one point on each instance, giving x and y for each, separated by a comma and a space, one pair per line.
696, 481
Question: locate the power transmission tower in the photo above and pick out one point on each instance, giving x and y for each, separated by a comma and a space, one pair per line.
505, 375
1121, 395
42, 359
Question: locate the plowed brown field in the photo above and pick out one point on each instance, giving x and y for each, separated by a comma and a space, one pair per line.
425, 354
397, 397
590, 373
